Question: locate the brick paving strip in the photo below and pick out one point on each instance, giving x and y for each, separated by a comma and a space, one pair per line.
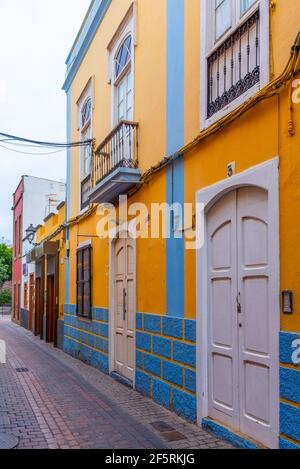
50, 400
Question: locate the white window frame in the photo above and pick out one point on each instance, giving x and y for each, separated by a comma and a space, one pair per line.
126, 28
88, 93
208, 44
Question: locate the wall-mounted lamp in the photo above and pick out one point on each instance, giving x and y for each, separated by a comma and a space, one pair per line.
287, 302
30, 233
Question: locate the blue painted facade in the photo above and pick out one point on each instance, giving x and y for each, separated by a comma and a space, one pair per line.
87, 340
175, 140
289, 392
166, 362
285, 444
226, 434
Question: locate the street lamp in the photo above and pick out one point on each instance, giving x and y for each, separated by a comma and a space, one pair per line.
30, 233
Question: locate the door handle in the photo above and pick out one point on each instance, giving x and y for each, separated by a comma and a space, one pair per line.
124, 304
238, 304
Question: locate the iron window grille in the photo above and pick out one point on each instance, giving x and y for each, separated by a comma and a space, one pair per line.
234, 67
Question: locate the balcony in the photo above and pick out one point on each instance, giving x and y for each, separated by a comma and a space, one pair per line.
115, 164
234, 67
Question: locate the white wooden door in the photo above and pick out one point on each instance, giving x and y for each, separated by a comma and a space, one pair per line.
124, 307
242, 374
222, 318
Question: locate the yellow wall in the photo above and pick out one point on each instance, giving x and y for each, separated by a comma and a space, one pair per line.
257, 136
149, 83
151, 285
207, 164
150, 103
50, 226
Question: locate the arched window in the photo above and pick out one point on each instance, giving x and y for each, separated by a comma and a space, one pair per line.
123, 57
86, 112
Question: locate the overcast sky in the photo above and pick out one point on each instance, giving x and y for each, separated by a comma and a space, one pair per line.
35, 38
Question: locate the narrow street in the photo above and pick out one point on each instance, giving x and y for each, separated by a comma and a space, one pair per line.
50, 400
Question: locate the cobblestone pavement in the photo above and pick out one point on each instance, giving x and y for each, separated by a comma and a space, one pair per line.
50, 400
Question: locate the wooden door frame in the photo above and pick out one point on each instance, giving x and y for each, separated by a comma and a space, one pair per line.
56, 298
112, 245
31, 305
42, 300
55, 275
37, 322
50, 277
265, 176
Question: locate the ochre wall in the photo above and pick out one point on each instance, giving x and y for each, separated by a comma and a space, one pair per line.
149, 83
257, 136
47, 229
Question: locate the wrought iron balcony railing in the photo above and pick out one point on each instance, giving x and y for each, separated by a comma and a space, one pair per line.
234, 67
119, 149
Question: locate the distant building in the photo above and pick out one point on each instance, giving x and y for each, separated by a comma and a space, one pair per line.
47, 258
34, 199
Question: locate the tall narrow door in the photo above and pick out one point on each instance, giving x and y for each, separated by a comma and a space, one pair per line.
241, 327
31, 301
38, 306
50, 308
18, 301
124, 303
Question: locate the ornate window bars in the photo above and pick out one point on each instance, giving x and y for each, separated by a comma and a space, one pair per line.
234, 67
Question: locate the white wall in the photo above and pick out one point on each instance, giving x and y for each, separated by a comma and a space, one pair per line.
36, 208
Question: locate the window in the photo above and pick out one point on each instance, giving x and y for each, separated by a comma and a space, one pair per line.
20, 236
245, 5
123, 57
124, 81
25, 295
86, 134
234, 54
16, 242
223, 16
124, 103
86, 113
84, 277
85, 108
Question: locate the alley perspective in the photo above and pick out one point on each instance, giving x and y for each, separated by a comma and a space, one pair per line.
149, 229
50, 400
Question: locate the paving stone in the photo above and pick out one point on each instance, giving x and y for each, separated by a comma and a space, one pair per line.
63, 403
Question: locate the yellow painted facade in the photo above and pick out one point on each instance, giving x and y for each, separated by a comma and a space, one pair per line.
266, 127
53, 230
257, 136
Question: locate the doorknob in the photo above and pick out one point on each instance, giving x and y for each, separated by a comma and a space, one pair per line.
124, 304
238, 304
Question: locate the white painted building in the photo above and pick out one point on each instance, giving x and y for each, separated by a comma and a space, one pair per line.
40, 198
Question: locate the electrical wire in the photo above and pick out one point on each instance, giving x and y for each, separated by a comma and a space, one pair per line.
49, 144
32, 154
24, 145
